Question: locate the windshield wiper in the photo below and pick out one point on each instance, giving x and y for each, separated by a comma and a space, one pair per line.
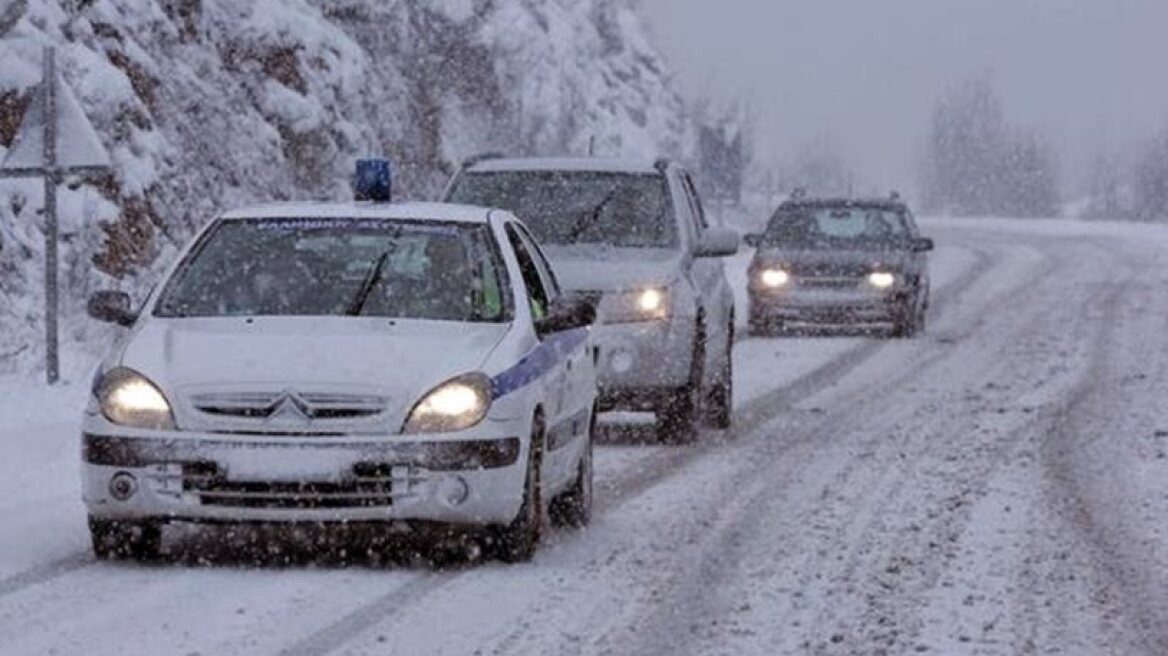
357, 305
591, 218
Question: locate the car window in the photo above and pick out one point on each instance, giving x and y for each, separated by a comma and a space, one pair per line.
547, 274
537, 296
830, 227
326, 267
629, 210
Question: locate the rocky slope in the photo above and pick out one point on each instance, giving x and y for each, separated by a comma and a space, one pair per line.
204, 104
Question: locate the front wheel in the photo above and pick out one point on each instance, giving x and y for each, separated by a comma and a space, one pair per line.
721, 398
573, 507
677, 420
517, 541
125, 539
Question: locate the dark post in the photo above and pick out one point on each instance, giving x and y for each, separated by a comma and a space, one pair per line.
48, 88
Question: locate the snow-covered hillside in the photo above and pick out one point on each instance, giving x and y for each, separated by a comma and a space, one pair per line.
211, 103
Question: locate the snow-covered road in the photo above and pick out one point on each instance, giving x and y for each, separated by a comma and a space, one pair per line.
997, 486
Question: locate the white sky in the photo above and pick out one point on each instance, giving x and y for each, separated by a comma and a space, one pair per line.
1091, 73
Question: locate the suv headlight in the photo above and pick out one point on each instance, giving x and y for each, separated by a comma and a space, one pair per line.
128, 398
774, 277
648, 304
457, 404
881, 279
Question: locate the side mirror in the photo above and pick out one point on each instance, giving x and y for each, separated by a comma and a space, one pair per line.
112, 307
717, 242
922, 245
752, 239
568, 312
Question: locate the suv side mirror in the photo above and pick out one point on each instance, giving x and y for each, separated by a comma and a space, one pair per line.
752, 239
568, 312
922, 245
112, 307
717, 242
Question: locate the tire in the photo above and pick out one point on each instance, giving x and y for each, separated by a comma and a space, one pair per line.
720, 403
678, 418
112, 540
904, 320
517, 541
573, 507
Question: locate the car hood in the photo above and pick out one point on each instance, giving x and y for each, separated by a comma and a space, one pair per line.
399, 359
605, 269
831, 262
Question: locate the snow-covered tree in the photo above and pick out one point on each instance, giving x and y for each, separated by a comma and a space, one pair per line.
977, 164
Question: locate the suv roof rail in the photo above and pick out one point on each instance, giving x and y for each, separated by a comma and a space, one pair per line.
799, 193
661, 163
481, 157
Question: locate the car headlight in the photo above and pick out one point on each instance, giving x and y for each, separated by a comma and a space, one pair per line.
128, 398
774, 277
648, 304
881, 279
457, 404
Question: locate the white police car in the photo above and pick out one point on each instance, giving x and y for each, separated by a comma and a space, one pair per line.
345, 363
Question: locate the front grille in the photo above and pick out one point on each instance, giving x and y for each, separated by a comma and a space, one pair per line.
832, 282
369, 488
265, 405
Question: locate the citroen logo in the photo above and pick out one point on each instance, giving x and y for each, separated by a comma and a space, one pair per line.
290, 407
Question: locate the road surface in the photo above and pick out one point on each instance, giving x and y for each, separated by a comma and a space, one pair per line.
997, 486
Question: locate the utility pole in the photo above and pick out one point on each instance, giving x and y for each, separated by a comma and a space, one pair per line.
51, 173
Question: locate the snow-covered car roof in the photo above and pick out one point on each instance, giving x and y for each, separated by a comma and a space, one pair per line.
598, 164
363, 210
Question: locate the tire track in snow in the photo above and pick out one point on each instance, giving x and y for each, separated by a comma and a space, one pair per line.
675, 625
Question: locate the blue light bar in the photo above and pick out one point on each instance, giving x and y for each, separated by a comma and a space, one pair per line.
374, 180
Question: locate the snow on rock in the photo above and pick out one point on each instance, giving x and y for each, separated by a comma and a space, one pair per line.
206, 104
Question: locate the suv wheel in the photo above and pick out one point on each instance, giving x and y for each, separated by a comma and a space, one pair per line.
907, 319
677, 420
123, 539
721, 399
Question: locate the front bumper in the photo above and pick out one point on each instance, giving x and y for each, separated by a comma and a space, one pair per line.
229, 478
637, 359
825, 305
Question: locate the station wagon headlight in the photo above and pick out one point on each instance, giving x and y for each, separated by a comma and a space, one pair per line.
881, 279
648, 304
457, 404
128, 398
774, 277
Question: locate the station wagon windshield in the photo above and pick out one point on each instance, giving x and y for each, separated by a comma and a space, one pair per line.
625, 210
836, 227
336, 267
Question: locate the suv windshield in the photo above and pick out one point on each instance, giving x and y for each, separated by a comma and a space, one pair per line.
578, 207
836, 227
329, 267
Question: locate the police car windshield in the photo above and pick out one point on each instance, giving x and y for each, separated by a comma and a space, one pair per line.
836, 227
333, 267
626, 210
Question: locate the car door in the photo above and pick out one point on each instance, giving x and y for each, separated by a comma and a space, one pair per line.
540, 291
575, 379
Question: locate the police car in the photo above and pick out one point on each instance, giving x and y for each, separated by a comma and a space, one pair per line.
354, 362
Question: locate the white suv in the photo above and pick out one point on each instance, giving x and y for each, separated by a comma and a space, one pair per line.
636, 234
